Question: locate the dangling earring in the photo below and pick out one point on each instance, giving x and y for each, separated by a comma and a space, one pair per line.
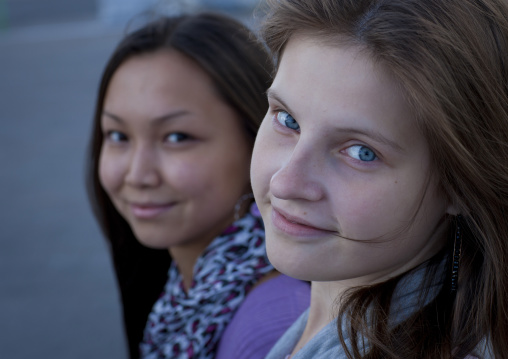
457, 246
239, 203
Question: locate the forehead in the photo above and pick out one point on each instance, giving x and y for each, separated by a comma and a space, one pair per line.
163, 70
153, 90
154, 84
342, 83
331, 69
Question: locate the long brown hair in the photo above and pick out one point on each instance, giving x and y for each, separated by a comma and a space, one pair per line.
240, 69
451, 59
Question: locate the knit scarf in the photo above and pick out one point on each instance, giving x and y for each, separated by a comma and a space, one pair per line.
189, 325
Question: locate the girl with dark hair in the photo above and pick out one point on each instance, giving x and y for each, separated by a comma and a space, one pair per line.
179, 104
381, 171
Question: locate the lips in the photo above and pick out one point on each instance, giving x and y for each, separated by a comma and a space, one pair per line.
149, 210
295, 226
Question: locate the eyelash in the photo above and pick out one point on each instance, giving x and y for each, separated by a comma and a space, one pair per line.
185, 136
109, 136
285, 125
358, 150
346, 150
119, 137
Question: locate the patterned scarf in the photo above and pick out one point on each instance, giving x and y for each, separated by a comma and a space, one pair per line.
189, 325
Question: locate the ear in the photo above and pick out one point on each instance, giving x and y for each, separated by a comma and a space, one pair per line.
452, 209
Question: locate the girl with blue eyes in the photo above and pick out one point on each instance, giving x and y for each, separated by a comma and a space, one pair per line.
381, 172
169, 181
362, 153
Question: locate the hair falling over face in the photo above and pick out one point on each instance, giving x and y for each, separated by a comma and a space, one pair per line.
450, 57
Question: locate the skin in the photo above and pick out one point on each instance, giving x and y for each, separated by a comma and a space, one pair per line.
175, 158
341, 160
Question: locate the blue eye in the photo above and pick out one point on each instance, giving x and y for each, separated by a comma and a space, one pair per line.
116, 136
362, 153
285, 119
176, 137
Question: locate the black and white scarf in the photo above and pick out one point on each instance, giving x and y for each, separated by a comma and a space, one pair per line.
189, 325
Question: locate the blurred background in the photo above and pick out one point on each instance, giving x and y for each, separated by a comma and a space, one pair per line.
58, 297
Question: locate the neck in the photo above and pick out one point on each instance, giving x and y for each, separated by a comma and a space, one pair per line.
325, 303
186, 255
185, 258
323, 309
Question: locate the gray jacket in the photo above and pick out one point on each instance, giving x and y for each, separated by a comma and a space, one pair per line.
326, 343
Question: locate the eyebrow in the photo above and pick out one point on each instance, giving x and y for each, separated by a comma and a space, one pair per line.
376, 136
271, 93
156, 121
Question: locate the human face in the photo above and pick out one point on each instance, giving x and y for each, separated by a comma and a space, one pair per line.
175, 158
339, 162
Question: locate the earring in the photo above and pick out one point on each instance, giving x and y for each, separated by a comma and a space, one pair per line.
239, 203
457, 246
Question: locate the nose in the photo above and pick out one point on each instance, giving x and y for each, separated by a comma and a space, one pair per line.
143, 168
298, 177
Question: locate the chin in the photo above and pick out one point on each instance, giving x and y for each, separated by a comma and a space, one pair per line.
151, 241
300, 265
286, 263
153, 244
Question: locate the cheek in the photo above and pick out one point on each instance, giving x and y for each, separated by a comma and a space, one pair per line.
231, 177
373, 208
111, 171
207, 175
263, 164
186, 177
257, 175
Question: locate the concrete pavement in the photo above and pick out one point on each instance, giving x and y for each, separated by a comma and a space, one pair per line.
57, 292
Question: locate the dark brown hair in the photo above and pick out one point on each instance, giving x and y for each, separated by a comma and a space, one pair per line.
240, 69
451, 59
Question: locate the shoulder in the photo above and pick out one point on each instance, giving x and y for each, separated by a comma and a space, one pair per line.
266, 313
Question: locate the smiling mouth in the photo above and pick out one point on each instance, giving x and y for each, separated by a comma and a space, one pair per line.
294, 227
149, 211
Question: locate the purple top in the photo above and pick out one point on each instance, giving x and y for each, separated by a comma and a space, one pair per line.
266, 313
